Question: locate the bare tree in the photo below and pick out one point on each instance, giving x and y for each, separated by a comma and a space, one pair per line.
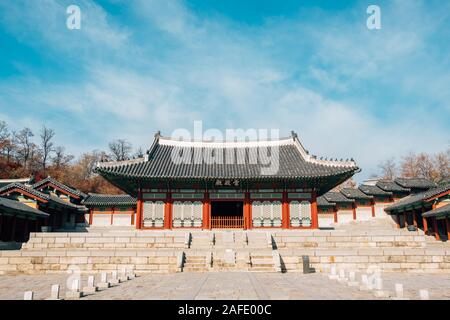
388, 169
6, 147
442, 165
425, 167
61, 159
25, 147
408, 166
46, 146
139, 153
120, 149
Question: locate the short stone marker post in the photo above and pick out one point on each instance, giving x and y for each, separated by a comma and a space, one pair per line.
103, 284
424, 294
333, 273
352, 279
342, 277
123, 275
399, 293
131, 274
54, 292
28, 295
114, 280
91, 287
74, 292
379, 293
364, 283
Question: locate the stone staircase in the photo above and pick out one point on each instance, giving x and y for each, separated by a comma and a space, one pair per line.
262, 262
252, 250
196, 263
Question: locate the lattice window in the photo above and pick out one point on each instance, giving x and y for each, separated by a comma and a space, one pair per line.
198, 210
153, 212
267, 210
277, 209
294, 210
305, 209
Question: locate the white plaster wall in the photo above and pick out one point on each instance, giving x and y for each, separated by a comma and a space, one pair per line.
122, 219
326, 220
363, 213
101, 220
345, 216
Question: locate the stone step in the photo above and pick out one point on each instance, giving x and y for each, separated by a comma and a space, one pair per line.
262, 262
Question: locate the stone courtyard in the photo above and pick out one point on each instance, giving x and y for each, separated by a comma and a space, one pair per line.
230, 286
232, 265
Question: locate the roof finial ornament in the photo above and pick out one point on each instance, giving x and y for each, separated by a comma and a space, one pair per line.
294, 135
158, 134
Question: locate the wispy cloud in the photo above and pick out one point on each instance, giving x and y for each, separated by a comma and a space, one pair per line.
348, 91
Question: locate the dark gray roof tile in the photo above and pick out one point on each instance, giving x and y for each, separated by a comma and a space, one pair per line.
391, 186
418, 198
337, 197
373, 190
416, 183
14, 206
93, 200
353, 193
294, 161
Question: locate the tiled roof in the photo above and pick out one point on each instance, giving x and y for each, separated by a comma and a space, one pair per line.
373, 190
5, 182
443, 211
109, 200
353, 193
417, 198
416, 183
239, 160
38, 194
337, 197
322, 202
60, 185
391, 186
19, 207
24, 188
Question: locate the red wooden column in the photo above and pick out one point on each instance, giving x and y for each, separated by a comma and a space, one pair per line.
247, 212
405, 220
285, 223
373, 209
335, 216
91, 218
314, 211
435, 227
133, 215
113, 210
168, 211
206, 211
414, 218
354, 210
397, 222
139, 209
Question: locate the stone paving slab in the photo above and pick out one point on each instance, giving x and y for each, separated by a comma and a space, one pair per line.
229, 286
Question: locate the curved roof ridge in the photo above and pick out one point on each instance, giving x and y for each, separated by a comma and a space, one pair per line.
110, 164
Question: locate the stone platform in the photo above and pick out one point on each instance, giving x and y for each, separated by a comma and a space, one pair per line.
355, 247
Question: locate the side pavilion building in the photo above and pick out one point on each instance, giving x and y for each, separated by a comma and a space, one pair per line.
251, 184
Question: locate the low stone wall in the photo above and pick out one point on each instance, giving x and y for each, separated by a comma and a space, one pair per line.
87, 261
389, 259
160, 251
106, 240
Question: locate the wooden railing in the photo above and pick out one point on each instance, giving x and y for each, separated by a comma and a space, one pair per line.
227, 222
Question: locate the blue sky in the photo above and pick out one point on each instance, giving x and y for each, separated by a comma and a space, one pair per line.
136, 67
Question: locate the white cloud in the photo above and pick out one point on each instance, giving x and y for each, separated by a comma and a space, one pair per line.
232, 76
